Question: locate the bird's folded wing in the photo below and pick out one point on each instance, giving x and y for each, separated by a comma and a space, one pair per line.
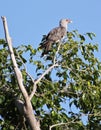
56, 34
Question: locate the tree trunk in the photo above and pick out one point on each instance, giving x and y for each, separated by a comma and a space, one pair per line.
30, 117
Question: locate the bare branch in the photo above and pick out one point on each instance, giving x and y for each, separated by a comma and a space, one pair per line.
39, 79
33, 91
60, 124
46, 72
27, 106
57, 125
16, 69
71, 122
54, 61
25, 68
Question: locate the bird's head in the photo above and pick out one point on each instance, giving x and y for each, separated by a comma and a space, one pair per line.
64, 22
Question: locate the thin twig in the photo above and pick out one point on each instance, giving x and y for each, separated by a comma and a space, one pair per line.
48, 70
25, 68
57, 125
54, 61
39, 79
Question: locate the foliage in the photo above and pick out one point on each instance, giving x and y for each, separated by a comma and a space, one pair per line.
75, 82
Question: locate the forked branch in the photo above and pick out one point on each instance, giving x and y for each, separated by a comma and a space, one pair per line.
39, 79
16, 69
27, 107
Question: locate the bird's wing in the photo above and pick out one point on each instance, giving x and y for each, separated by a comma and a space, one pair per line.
56, 34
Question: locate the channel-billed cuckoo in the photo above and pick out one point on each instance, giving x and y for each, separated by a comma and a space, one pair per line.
55, 35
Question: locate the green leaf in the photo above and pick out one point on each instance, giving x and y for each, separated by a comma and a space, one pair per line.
91, 35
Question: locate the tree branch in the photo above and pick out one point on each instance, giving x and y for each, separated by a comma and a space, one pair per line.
48, 70
57, 125
60, 124
39, 79
24, 106
26, 69
16, 69
54, 60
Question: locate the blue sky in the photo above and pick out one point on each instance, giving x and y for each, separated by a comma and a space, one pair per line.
28, 20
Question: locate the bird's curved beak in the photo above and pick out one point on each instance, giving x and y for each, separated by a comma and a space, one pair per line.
69, 21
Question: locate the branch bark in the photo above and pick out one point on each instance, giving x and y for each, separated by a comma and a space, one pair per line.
16, 69
39, 79
59, 124
26, 106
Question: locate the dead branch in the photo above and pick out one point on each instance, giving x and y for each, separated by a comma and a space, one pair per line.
39, 79
54, 60
27, 106
59, 124
16, 69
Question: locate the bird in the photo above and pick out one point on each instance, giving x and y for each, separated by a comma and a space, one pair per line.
55, 35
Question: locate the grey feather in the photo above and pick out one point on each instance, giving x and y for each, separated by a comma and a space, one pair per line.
55, 35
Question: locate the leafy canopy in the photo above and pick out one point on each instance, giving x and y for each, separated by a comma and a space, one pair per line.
75, 81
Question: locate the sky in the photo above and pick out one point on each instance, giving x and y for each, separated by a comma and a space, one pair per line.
29, 20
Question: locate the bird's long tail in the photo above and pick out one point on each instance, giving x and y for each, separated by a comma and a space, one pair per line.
46, 47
